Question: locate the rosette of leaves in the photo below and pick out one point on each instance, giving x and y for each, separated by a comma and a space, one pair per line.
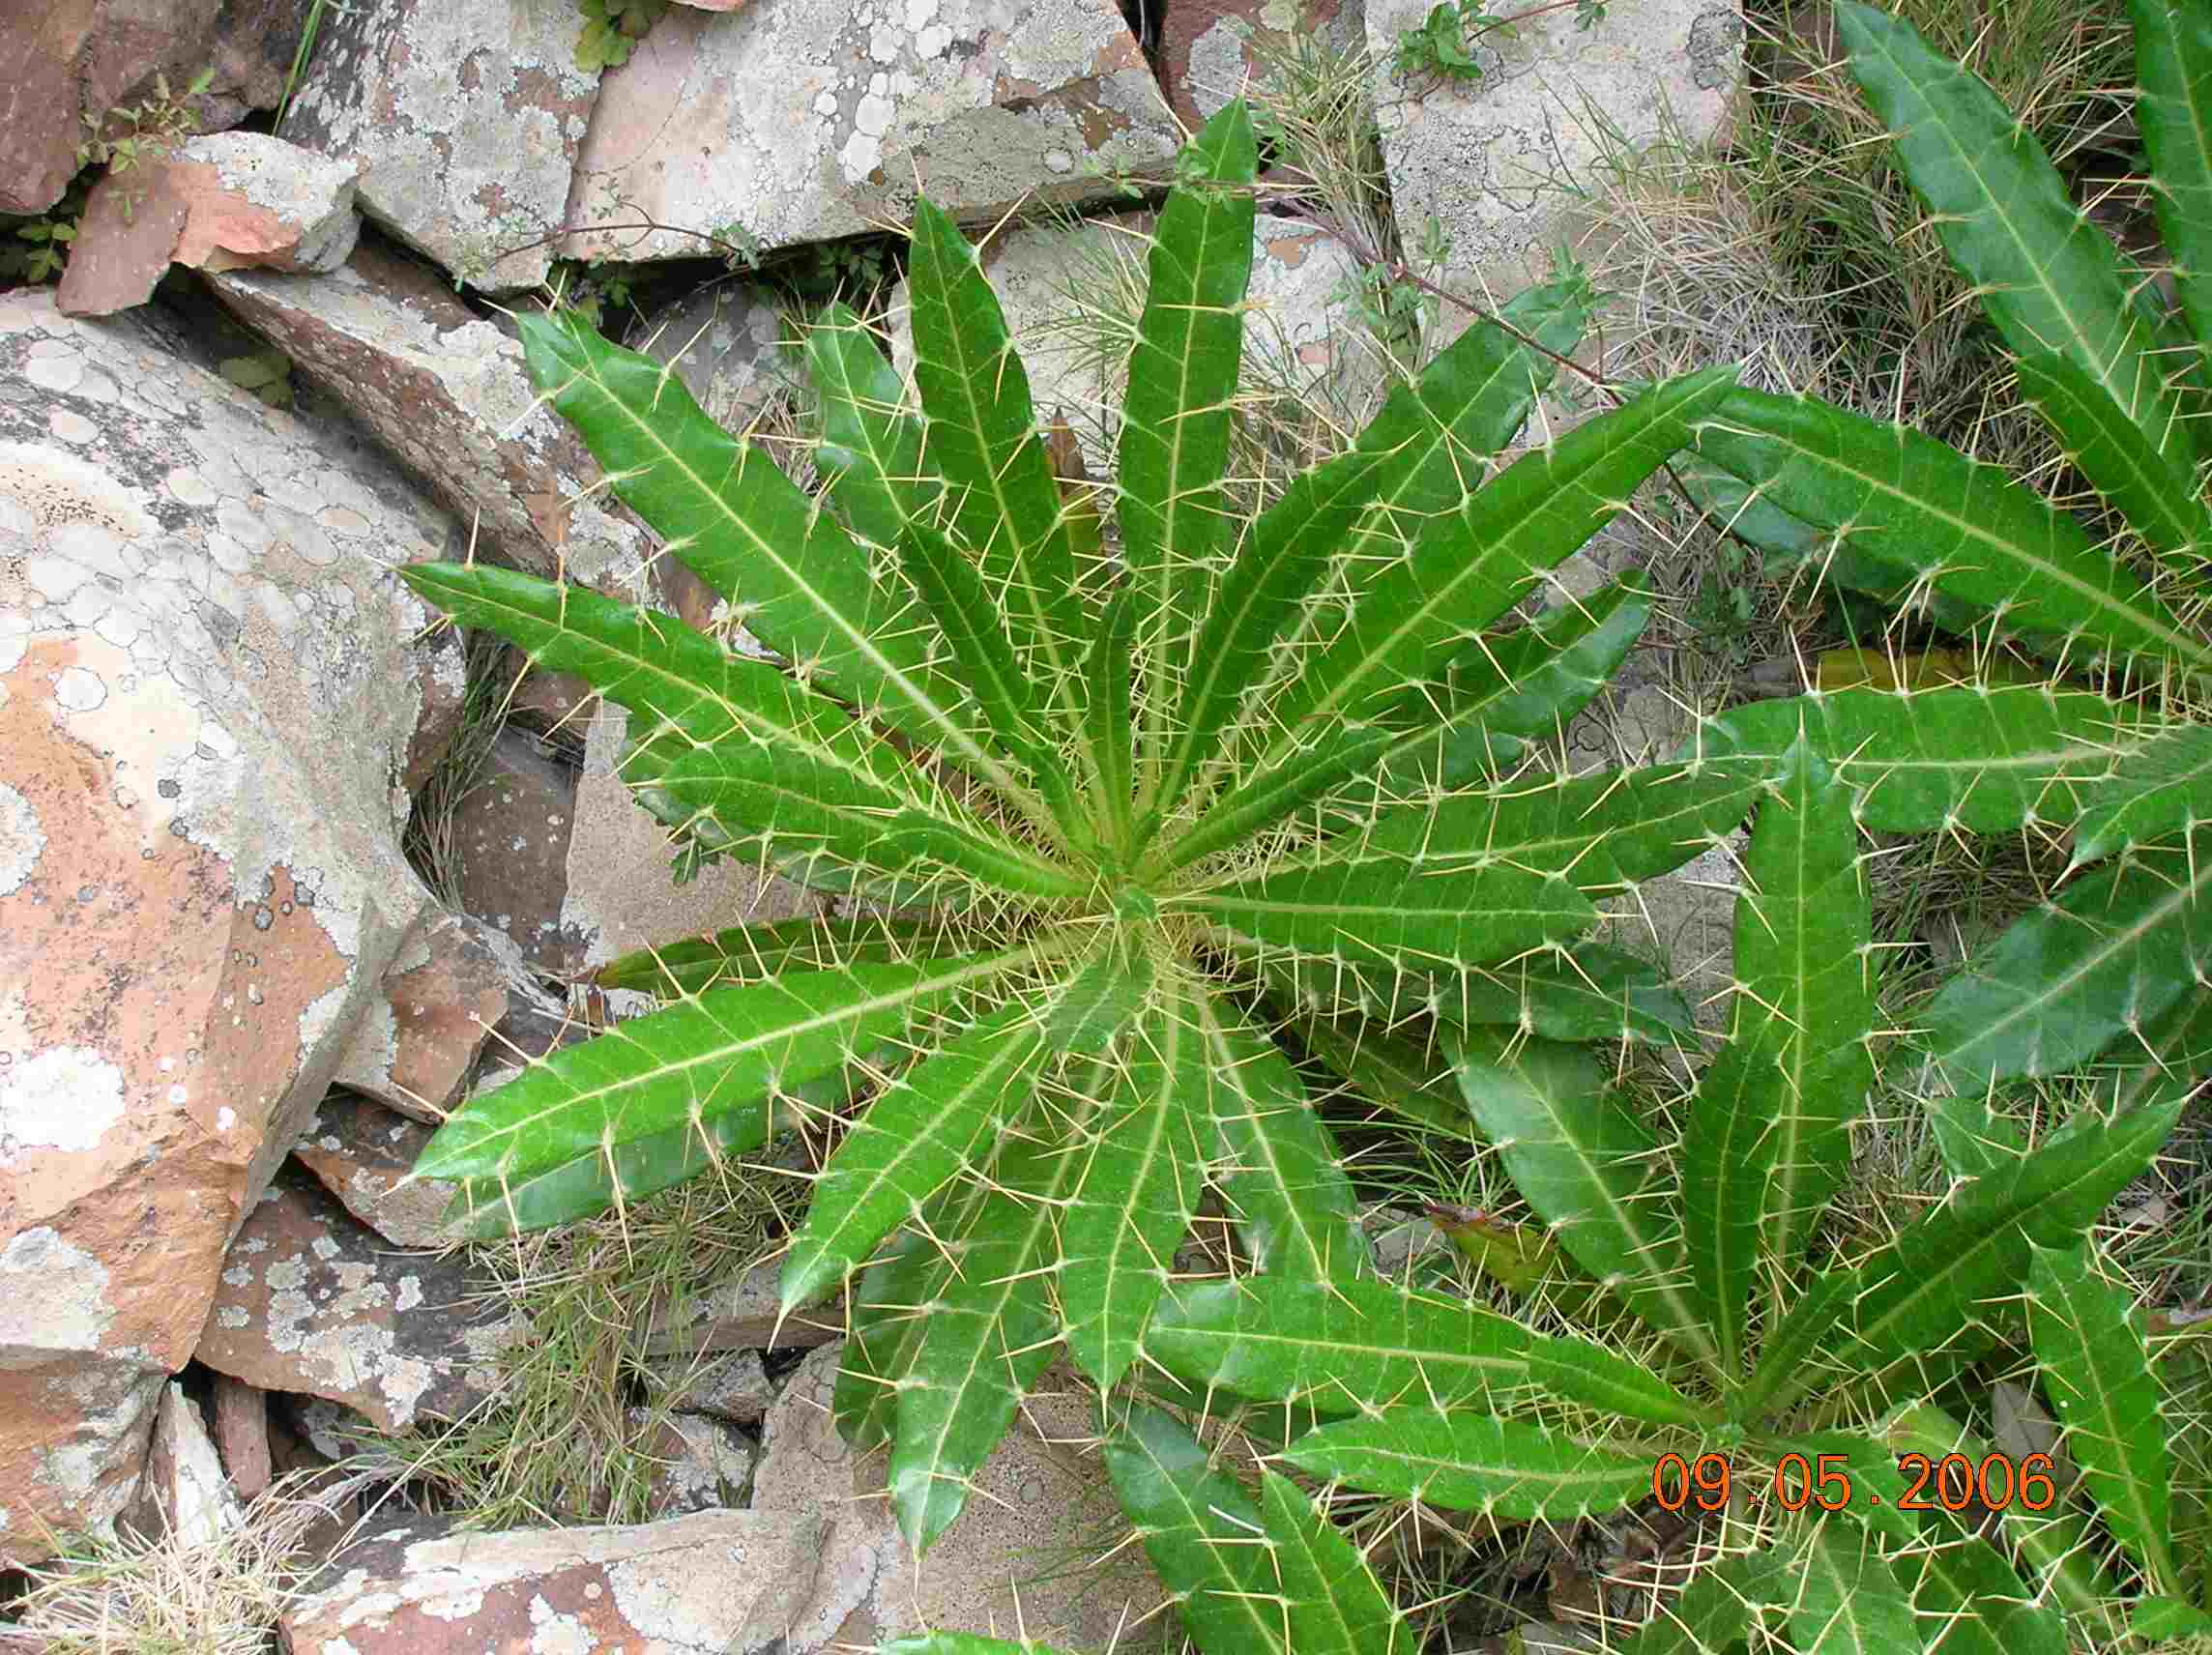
1702, 1311
2114, 966
1081, 805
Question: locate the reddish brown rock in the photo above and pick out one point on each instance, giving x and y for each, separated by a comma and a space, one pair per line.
241, 1435
724, 1580
512, 833
452, 982
362, 1152
184, 1498
312, 1301
744, 1314
207, 678
447, 390
1211, 50
62, 61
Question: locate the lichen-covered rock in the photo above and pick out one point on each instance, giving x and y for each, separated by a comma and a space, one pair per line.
798, 121
1027, 1552
227, 202
62, 61
207, 678
1210, 51
465, 117
1496, 160
362, 1152
448, 393
315, 1302
452, 982
720, 1580
510, 836
731, 1384
186, 1497
702, 1463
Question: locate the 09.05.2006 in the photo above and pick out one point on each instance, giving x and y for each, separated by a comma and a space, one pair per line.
1952, 1483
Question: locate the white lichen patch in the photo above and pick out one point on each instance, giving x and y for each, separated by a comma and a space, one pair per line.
23, 840
54, 1295
64, 1097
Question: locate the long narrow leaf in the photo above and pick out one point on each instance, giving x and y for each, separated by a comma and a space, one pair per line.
1849, 1600
1336, 1606
1972, 1602
2097, 1374
1176, 418
870, 450
2067, 979
2173, 108
748, 953
2046, 274
1463, 1462
1590, 1170
2158, 788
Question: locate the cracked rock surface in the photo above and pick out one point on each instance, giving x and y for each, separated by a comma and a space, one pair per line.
209, 681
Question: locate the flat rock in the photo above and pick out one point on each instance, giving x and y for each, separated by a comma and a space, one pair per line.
512, 833
1299, 338
185, 1498
453, 981
732, 1385
703, 1465
795, 122
1024, 1552
63, 59
726, 343
362, 1152
207, 681
721, 1581
1498, 159
1210, 51
241, 1435
447, 391
621, 895
465, 117
313, 1301
745, 1314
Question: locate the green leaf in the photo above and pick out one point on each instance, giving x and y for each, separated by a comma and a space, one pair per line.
1112, 715
1278, 1166
870, 449
1176, 417
2097, 1374
2068, 978
1411, 1079
1768, 1139
1098, 1004
1334, 1604
725, 509
1785, 1352
2157, 1619
886, 1316
982, 437
748, 953
2158, 788
714, 1054
1590, 1170
920, 1131
963, 1643
1601, 831
1987, 760
2173, 111
1365, 908
988, 1334
1407, 464
1462, 1462
2175, 1055
1719, 1608
1203, 1532
2046, 274
1471, 565
1578, 1370
1138, 1185
1920, 1290
1849, 1602
1587, 992
1974, 1603
1341, 1347
1922, 509
2153, 491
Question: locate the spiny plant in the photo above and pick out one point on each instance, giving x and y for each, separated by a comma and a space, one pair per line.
1740, 1362
2121, 1401
2116, 962
1083, 806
